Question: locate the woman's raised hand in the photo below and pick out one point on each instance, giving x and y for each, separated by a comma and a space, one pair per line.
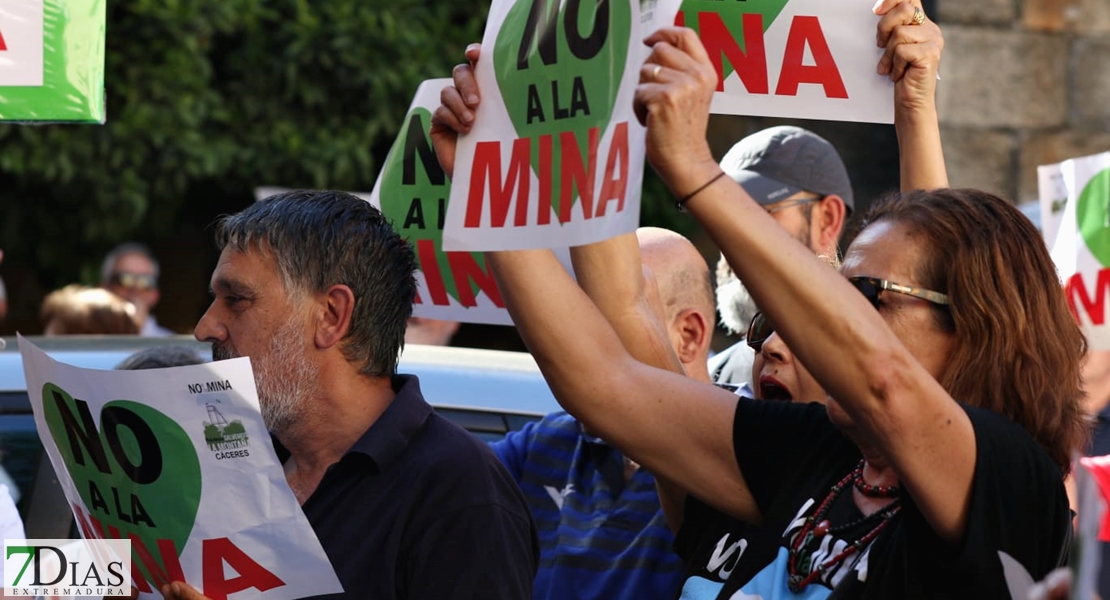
913, 46
676, 85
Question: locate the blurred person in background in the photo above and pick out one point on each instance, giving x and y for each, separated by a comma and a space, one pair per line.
160, 357
77, 309
130, 271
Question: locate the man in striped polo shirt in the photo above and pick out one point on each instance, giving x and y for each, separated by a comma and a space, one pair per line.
602, 532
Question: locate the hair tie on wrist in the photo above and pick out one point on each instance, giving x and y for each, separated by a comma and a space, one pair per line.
681, 204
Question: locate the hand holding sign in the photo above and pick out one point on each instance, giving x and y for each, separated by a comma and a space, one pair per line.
552, 156
913, 46
456, 113
181, 591
912, 54
672, 100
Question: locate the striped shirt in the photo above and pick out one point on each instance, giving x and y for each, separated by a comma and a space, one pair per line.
600, 537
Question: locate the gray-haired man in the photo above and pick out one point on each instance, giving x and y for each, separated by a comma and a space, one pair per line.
799, 178
315, 287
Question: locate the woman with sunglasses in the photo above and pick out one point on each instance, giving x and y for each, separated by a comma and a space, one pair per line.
949, 355
776, 373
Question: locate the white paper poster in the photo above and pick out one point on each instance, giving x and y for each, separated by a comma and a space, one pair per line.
807, 59
556, 156
21, 42
412, 191
1075, 207
178, 461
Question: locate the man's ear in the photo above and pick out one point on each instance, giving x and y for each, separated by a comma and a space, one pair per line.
334, 317
829, 216
694, 330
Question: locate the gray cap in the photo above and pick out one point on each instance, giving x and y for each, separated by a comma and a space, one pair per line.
776, 163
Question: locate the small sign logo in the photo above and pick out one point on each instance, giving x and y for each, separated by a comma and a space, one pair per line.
226, 439
67, 568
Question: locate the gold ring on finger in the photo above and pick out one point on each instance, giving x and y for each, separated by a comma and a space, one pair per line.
918, 16
655, 72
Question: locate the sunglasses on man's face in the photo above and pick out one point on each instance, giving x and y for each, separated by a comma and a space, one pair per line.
761, 328
135, 281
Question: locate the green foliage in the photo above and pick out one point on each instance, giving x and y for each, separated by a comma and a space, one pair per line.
207, 99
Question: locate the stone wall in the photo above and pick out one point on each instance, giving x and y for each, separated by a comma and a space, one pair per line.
1023, 83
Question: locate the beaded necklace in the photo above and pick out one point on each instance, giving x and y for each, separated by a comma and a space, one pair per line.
873, 491
817, 526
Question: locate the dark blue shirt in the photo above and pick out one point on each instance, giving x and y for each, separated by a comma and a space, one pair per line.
420, 509
600, 536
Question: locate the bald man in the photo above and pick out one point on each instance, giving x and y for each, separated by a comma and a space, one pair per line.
602, 532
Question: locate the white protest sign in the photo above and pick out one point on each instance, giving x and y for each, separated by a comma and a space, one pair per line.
178, 461
21, 43
412, 191
1079, 237
808, 59
556, 156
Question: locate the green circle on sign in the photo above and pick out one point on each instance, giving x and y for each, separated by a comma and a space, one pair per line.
1092, 212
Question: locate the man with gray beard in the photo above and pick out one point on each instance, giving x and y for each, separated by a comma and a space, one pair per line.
315, 287
800, 180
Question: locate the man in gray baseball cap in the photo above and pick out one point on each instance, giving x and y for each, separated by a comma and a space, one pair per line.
799, 178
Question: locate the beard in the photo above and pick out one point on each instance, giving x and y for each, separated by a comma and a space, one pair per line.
283, 374
735, 305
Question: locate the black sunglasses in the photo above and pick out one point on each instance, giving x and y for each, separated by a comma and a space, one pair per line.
761, 328
758, 331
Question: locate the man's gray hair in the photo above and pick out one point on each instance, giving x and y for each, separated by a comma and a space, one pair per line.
323, 238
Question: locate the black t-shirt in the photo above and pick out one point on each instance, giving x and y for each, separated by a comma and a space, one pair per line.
791, 456
420, 509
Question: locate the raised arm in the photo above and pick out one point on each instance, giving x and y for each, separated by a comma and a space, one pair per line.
610, 274
676, 427
897, 406
912, 59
